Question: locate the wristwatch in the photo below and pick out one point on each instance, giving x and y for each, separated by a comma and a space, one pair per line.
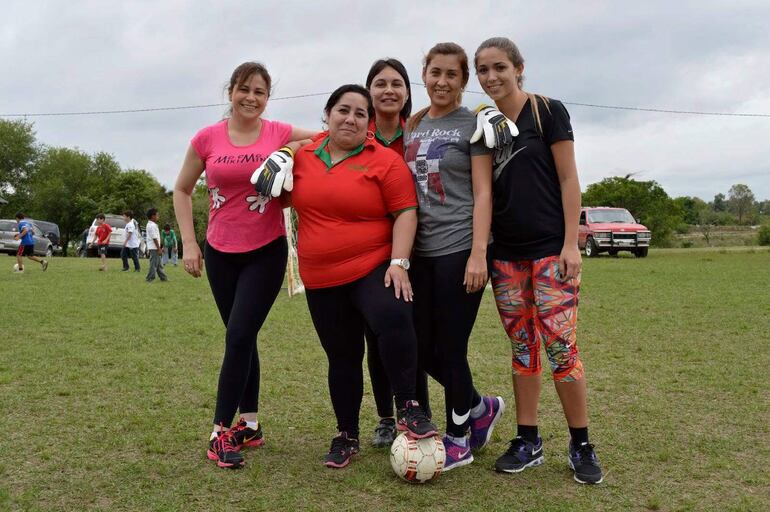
401, 262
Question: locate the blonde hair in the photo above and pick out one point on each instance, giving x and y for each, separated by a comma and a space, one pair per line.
511, 51
442, 49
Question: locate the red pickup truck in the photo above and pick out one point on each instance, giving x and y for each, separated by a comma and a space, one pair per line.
604, 229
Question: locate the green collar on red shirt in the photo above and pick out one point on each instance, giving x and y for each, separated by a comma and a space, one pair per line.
323, 153
387, 142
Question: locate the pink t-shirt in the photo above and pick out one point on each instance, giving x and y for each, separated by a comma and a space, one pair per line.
240, 219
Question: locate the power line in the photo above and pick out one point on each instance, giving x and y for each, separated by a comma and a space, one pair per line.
190, 107
158, 109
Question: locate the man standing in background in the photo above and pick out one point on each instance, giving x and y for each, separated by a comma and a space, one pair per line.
154, 246
131, 243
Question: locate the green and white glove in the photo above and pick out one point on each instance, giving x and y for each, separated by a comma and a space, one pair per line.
498, 130
275, 173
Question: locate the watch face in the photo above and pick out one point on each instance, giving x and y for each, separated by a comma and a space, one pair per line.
405, 264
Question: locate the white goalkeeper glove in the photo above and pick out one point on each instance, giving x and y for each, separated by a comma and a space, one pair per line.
498, 130
275, 173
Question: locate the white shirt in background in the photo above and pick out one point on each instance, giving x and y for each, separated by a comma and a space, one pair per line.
153, 233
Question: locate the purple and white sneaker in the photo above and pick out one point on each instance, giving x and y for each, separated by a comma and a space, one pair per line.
456, 455
481, 428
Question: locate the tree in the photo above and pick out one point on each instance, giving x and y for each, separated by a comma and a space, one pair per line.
719, 204
691, 208
740, 201
645, 200
136, 190
18, 153
67, 191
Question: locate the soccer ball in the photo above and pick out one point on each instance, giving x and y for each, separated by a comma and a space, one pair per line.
417, 460
15, 267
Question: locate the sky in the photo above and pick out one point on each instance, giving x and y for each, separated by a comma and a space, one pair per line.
103, 55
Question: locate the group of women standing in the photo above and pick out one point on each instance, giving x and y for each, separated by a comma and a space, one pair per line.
397, 213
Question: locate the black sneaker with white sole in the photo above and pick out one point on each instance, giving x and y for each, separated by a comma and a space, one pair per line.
584, 463
342, 450
521, 454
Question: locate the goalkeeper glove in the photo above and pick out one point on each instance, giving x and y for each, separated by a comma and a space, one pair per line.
498, 130
275, 173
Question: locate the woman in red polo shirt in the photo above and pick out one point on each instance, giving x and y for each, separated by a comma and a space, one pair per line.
357, 219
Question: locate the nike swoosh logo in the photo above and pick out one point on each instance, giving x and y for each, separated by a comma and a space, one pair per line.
462, 454
459, 420
499, 168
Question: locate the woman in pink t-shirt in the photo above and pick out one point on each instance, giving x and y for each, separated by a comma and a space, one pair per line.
245, 251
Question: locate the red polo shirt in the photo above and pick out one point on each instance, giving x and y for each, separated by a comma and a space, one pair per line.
345, 223
396, 144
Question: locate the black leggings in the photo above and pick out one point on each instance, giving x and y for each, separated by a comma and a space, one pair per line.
245, 286
383, 393
339, 315
444, 315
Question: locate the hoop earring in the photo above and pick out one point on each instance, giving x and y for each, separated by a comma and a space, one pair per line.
369, 135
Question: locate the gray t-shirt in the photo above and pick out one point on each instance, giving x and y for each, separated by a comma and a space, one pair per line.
438, 152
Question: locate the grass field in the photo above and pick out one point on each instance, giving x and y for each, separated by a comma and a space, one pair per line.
107, 388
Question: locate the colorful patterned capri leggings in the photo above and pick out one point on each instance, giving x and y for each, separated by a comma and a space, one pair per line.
536, 308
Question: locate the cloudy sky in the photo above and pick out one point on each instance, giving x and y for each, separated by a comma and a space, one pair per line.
78, 56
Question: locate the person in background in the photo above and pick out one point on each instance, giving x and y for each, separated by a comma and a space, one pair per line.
102, 239
536, 264
154, 247
169, 242
131, 243
26, 244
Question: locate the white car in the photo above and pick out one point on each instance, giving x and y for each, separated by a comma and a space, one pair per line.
118, 235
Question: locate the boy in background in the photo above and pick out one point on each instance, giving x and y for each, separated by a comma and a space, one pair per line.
102, 239
168, 240
153, 245
26, 245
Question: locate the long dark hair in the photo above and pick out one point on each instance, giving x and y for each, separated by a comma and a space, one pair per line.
396, 64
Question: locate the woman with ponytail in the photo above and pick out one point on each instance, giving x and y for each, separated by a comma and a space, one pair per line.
449, 266
536, 264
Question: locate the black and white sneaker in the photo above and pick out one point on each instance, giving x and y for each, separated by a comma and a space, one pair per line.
342, 450
412, 419
521, 454
584, 463
384, 433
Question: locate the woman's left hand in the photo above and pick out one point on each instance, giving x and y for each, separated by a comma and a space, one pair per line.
570, 263
475, 273
401, 285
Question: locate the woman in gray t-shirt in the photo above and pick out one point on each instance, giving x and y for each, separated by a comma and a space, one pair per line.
453, 179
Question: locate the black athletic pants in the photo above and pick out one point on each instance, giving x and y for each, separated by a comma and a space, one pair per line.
444, 315
383, 393
340, 314
245, 286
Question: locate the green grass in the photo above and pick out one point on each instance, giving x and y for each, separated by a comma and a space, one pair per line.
107, 389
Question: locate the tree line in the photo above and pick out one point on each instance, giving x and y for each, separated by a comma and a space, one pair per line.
69, 187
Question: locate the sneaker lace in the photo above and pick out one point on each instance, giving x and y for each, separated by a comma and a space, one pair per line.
517, 444
384, 426
339, 444
586, 452
415, 413
225, 441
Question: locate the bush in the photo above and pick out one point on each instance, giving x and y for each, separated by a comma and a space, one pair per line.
763, 237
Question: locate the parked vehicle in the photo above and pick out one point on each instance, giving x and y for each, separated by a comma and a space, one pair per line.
604, 229
117, 237
51, 232
9, 228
